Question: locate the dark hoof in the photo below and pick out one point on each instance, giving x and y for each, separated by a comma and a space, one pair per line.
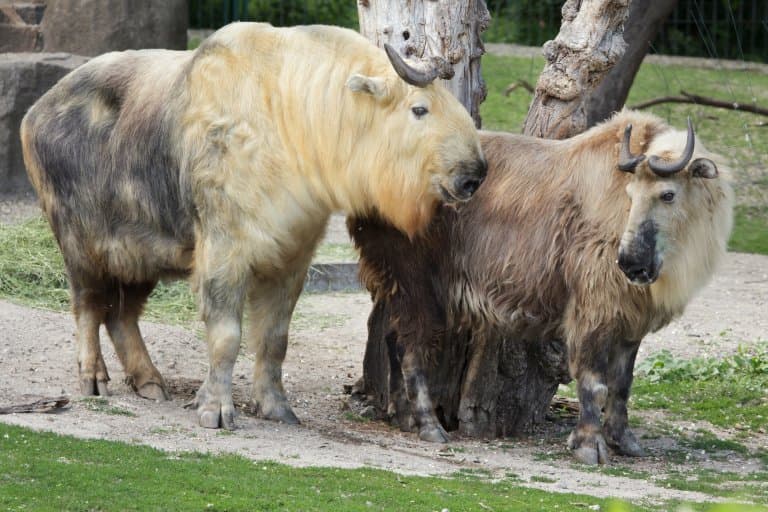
628, 445
281, 412
590, 450
153, 391
93, 387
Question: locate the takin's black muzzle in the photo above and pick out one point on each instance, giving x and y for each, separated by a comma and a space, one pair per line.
469, 179
638, 260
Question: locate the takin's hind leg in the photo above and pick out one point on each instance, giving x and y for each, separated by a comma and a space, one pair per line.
89, 307
270, 306
122, 322
417, 389
615, 425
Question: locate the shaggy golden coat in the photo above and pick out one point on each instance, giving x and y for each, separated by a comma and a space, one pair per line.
225, 163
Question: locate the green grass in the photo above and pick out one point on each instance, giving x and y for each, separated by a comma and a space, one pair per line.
728, 485
43, 471
731, 134
102, 405
750, 230
31, 267
731, 392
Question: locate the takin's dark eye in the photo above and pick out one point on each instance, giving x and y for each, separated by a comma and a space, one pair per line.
419, 111
667, 197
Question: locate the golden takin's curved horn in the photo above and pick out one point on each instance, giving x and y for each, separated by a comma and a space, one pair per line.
408, 73
663, 168
628, 161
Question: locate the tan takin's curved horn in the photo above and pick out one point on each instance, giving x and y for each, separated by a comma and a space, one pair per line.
662, 168
411, 75
628, 161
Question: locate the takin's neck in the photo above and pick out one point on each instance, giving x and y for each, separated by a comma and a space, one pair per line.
697, 254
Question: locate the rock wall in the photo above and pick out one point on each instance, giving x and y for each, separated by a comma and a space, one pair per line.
80, 27
92, 27
24, 77
20, 26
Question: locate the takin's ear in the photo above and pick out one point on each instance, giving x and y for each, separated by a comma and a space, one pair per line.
374, 86
703, 168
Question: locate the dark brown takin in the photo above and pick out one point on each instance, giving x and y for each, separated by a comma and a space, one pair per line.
584, 240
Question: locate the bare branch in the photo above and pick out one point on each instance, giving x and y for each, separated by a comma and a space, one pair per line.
525, 84
702, 100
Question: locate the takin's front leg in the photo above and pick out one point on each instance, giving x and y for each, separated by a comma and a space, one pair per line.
270, 306
615, 426
222, 310
589, 362
586, 440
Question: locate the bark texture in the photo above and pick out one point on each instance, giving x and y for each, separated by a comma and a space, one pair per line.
645, 19
589, 44
444, 33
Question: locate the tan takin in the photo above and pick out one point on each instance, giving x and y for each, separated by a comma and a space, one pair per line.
224, 163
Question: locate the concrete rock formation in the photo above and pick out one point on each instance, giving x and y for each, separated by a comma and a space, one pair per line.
20, 26
80, 27
24, 77
92, 27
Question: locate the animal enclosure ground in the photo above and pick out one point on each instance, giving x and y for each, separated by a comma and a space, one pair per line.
689, 460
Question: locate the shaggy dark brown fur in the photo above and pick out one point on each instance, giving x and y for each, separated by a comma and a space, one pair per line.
535, 251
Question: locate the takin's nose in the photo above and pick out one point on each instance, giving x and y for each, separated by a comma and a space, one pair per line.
637, 258
639, 269
467, 184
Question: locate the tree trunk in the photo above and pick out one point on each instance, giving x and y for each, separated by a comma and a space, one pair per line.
430, 29
645, 19
590, 42
486, 383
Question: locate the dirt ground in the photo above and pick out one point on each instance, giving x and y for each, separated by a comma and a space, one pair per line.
37, 357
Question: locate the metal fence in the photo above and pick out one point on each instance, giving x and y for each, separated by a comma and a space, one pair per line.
731, 29
735, 29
